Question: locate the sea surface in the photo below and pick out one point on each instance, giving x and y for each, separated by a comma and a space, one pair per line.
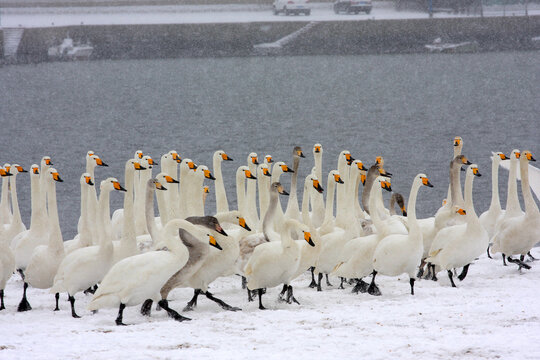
407, 108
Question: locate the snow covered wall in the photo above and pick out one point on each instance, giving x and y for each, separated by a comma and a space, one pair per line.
324, 37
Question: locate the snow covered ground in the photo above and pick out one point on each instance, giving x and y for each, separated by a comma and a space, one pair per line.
494, 313
190, 14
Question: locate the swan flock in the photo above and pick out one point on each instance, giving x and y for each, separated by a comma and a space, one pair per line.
342, 228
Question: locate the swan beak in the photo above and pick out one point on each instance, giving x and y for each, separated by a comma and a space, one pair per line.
518, 154
56, 177
386, 185
266, 172
208, 175
476, 172
159, 186
254, 160
466, 161
349, 158
226, 157
242, 223
379, 160
503, 157
220, 230
213, 242
337, 179
3, 172
170, 180
100, 162
282, 191
461, 211
21, 170
117, 186
318, 149
249, 175
426, 182
457, 141
176, 157
140, 154
151, 161
385, 173
192, 165
48, 162
361, 166
403, 211
35, 170
317, 186
206, 190
88, 180
307, 237
269, 159
363, 179
286, 169
300, 153
530, 157
138, 166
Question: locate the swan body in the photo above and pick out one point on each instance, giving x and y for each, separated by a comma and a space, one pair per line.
7, 260
6, 216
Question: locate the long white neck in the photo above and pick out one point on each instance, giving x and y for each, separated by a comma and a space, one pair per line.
343, 170
197, 198
241, 191
276, 175
264, 195
531, 209
293, 210
38, 217
92, 197
163, 206
43, 186
184, 191
140, 228
149, 213
375, 202
105, 239
172, 239
328, 223
14, 201
472, 218
512, 200
414, 228
56, 242
268, 221
371, 175
318, 164
128, 242
5, 214
458, 197
85, 237
455, 187
221, 196
359, 211
495, 202
251, 198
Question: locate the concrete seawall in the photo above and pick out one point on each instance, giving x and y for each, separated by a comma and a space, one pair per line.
343, 37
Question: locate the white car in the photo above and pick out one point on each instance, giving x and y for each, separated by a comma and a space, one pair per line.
288, 7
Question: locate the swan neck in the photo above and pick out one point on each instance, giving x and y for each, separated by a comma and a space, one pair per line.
55, 235
495, 201
221, 196
411, 209
455, 185
512, 201
128, 229
268, 220
530, 204
149, 213
14, 200
469, 206
330, 195
241, 191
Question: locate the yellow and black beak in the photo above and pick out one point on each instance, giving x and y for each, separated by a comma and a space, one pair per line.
466, 161
48, 162
363, 179
530, 157
254, 160
176, 157
140, 154
461, 211
307, 237
249, 175
226, 157
208, 175
206, 190
378, 160
287, 169
269, 159
213, 242
152, 162
192, 165
88, 180
361, 166
220, 230
318, 149
403, 211
266, 172
385, 173
20, 169
457, 141
476, 172
117, 186
502, 156
282, 191
317, 186
100, 162
56, 177
386, 185
159, 186
349, 158
242, 223
426, 182
170, 180
518, 155
300, 153
337, 179
35, 170
3, 172
138, 166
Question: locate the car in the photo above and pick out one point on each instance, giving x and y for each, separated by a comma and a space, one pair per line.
288, 7
353, 6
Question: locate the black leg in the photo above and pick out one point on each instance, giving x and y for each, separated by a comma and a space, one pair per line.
421, 268
373, 289
488, 254
504, 260
172, 313
450, 275
120, 316
433, 273
260, 291
290, 296
72, 301
250, 295
21, 272
313, 283
411, 281
463, 274
361, 286
57, 297
328, 282
193, 302
319, 288
244, 282
532, 258
220, 302
90, 290
520, 263
522, 258
2, 307
341, 284
429, 275
24, 305
146, 308
282, 293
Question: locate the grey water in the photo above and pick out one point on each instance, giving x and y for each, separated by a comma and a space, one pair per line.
407, 108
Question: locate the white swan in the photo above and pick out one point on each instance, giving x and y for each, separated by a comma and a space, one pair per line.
85, 267
317, 202
397, 253
458, 195
45, 259
195, 205
458, 245
16, 226
222, 204
135, 279
6, 216
489, 218
169, 165
277, 170
534, 177
7, 259
517, 235
144, 175
92, 161
274, 263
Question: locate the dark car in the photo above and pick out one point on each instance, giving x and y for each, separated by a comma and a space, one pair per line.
352, 6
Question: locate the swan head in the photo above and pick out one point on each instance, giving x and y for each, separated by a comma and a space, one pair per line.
277, 187
317, 149
165, 178
458, 210
174, 155
54, 175
334, 174
247, 173
500, 156
16, 168
461, 160
284, 167
147, 160
474, 169
424, 179
86, 179
515, 154
297, 152
188, 164
89, 153
4, 172
210, 222
138, 155
347, 155
46, 161
252, 159
528, 155
98, 160
360, 165
458, 141
401, 203
220, 154
242, 223
111, 184
155, 184
264, 170
307, 237
315, 183
206, 190
206, 172
212, 241
379, 160
385, 184
268, 159
34, 170
134, 164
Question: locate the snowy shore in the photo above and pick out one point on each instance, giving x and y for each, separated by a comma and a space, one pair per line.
493, 313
